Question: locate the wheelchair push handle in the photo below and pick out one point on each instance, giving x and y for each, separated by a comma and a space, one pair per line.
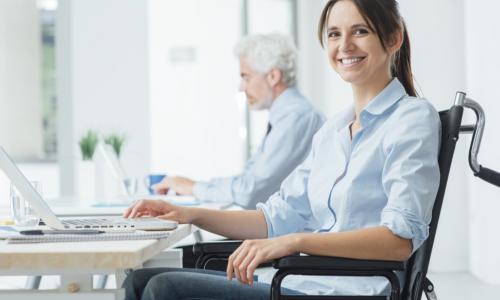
488, 175
477, 130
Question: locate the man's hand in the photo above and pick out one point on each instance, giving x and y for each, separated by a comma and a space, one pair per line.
252, 253
180, 185
160, 209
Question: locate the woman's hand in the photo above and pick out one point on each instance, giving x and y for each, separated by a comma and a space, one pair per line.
252, 253
160, 209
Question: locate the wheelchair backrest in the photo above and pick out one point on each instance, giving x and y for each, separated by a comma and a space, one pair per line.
418, 264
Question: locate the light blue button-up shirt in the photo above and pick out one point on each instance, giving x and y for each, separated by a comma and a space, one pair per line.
388, 175
294, 122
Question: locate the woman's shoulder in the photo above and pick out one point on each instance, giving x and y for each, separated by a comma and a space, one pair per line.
417, 108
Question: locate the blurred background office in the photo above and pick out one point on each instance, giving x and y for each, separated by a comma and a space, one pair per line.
163, 74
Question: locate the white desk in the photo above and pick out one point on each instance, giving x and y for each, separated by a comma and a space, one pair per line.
76, 262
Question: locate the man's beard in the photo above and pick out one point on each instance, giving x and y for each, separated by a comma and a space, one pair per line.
262, 103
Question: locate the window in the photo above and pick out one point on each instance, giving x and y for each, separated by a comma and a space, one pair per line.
47, 10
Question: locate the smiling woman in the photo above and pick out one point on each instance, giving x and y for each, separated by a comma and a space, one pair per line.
365, 191
386, 38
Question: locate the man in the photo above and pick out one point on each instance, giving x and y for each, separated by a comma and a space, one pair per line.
268, 71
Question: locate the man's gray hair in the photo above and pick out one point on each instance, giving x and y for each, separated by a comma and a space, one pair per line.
267, 51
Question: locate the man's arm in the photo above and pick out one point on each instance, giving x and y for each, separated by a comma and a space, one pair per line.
286, 146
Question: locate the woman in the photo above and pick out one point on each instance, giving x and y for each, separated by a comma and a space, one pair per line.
366, 190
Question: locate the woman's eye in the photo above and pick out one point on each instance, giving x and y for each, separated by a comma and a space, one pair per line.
360, 31
333, 34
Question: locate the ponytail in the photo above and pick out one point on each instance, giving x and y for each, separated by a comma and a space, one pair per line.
401, 68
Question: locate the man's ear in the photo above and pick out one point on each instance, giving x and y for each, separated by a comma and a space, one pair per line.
396, 42
274, 77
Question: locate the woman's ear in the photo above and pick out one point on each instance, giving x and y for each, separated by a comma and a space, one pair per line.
274, 77
396, 42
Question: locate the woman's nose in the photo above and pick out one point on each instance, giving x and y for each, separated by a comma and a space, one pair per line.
346, 44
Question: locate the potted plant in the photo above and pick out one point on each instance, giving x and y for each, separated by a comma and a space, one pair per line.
88, 144
116, 141
85, 173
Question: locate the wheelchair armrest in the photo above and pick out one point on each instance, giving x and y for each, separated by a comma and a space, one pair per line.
335, 266
335, 263
215, 248
213, 251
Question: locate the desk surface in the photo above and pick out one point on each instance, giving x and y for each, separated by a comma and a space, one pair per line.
86, 255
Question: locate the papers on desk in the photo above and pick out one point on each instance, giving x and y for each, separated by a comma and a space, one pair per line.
16, 238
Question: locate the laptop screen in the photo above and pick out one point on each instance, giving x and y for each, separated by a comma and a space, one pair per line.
27, 191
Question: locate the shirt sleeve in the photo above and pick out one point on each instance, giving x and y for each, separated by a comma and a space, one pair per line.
289, 209
410, 176
281, 151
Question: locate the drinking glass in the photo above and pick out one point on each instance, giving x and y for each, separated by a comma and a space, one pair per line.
21, 209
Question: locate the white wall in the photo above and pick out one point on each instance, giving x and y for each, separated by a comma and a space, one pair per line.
194, 79
482, 46
102, 49
20, 99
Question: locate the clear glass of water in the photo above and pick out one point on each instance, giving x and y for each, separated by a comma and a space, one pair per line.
131, 186
22, 211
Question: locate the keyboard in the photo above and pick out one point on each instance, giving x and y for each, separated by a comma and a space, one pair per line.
97, 223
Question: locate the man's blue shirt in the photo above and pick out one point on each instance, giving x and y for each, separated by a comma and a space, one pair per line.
294, 122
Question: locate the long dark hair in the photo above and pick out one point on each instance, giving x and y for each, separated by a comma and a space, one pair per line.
383, 17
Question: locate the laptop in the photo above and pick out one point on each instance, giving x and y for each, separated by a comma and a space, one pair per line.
105, 223
105, 155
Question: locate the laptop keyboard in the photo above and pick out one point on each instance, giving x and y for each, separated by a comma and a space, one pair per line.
96, 223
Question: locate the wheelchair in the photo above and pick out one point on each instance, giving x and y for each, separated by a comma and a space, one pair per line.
212, 254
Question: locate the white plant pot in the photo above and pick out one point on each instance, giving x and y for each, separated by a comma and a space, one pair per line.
109, 185
86, 179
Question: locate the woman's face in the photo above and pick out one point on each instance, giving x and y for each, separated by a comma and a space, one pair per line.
354, 50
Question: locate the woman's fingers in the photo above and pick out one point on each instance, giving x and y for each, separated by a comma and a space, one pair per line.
243, 267
145, 207
237, 262
230, 263
229, 268
252, 266
127, 212
245, 260
136, 208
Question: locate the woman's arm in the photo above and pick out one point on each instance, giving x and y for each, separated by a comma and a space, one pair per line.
250, 224
246, 224
377, 243
371, 243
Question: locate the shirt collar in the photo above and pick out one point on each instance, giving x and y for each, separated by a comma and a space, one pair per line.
285, 99
391, 94
345, 118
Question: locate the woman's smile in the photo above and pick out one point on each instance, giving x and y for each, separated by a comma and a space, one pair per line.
351, 61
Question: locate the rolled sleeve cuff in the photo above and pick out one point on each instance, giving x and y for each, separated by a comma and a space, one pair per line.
200, 191
262, 207
406, 227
